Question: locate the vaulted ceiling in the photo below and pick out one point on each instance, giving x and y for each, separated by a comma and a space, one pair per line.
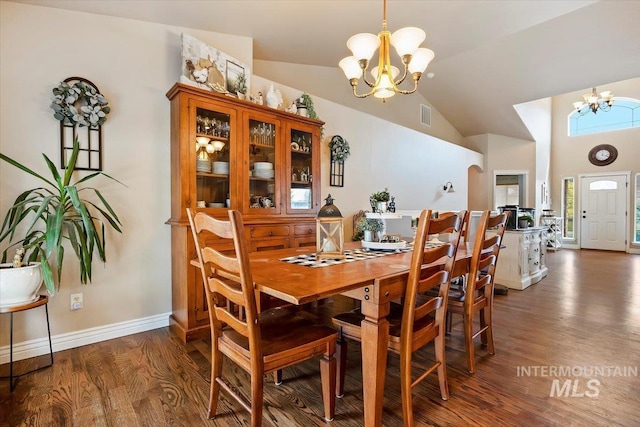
490, 55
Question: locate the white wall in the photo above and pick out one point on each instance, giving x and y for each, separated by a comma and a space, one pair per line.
536, 115
569, 154
134, 64
414, 166
504, 153
401, 109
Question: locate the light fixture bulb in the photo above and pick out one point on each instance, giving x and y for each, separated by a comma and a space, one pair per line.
202, 140
363, 45
350, 67
407, 40
394, 72
420, 60
448, 187
385, 88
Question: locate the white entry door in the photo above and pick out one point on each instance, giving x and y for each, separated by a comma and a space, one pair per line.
603, 212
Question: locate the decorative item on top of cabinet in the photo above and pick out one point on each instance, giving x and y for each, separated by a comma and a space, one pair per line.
232, 153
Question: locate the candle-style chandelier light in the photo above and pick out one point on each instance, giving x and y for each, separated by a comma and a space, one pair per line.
407, 43
593, 102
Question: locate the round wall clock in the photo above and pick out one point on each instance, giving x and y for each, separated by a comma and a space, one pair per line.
602, 155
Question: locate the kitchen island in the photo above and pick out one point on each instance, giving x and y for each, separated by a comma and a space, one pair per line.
521, 262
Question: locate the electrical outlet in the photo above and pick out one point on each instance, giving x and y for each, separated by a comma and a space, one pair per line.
76, 301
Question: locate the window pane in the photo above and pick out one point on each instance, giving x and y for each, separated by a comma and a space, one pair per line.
637, 221
624, 114
567, 208
603, 185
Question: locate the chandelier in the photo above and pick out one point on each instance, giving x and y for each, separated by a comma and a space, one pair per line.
593, 102
407, 43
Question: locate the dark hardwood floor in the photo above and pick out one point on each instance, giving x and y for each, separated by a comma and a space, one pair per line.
584, 315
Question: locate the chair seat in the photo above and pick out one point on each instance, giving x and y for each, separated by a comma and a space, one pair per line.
282, 329
457, 305
351, 320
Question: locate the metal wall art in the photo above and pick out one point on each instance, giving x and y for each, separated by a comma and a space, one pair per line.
77, 103
339, 152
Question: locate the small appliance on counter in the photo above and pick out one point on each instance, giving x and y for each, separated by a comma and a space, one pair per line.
517, 212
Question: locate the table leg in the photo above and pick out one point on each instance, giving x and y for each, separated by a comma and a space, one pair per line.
375, 338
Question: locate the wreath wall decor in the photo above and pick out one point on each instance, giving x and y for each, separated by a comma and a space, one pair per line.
340, 150
77, 103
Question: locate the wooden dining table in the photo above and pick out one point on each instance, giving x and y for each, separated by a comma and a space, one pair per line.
375, 282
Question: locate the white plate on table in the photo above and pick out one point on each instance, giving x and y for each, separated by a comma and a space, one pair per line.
389, 246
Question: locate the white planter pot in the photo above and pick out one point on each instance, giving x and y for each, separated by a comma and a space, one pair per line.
19, 285
368, 236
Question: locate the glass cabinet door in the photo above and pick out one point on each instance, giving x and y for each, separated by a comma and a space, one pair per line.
263, 161
213, 151
301, 167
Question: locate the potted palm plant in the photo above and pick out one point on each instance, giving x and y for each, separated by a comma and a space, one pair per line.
42, 218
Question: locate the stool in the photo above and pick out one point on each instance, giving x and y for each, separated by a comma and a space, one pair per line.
42, 300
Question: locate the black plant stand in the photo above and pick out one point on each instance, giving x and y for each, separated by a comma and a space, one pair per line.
42, 300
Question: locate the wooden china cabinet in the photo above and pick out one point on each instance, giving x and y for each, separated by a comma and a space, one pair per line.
230, 153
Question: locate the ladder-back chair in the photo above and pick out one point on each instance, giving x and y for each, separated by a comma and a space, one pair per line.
260, 343
415, 324
478, 295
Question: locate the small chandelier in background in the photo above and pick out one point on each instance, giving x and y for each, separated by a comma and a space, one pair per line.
593, 102
407, 43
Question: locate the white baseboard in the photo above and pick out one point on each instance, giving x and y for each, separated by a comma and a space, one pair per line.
39, 346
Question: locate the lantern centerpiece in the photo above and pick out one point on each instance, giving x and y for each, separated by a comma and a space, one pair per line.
329, 232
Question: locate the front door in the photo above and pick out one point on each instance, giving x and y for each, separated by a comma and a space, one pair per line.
603, 209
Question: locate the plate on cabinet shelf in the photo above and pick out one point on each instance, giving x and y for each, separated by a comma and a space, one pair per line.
221, 168
260, 173
265, 166
203, 166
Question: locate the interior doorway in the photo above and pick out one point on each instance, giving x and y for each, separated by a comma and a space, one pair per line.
510, 188
603, 211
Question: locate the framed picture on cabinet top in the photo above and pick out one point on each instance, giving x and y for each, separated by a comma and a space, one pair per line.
206, 67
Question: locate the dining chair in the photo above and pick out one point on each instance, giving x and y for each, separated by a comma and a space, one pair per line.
413, 325
260, 343
477, 297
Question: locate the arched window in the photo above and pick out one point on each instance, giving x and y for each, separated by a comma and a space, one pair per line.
624, 114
